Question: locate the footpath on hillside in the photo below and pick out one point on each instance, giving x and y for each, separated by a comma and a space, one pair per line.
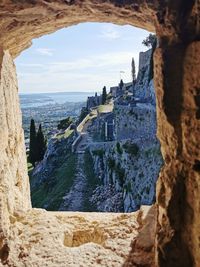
78, 198
75, 198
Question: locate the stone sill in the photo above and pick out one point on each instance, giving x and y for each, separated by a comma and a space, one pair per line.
41, 238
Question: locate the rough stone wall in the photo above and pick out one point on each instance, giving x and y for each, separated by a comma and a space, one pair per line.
132, 175
178, 189
14, 186
144, 86
144, 58
177, 90
135, 122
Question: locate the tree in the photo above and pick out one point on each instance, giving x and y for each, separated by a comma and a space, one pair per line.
84, 113
104, 95
32, 144
133, 70
64, 124
150, 41
41, 144
121, 84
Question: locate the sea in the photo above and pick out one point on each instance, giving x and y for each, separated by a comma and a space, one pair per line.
41, 99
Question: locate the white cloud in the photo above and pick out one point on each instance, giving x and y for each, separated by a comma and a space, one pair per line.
45, 51
109, 32
87, 73
31, 65
106, 60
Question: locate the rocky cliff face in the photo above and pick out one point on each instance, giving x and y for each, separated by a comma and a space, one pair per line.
135, 122
144, 87
129, 167
131, 164
53, 176
128, 172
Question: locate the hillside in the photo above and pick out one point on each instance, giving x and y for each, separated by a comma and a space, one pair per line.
111, 161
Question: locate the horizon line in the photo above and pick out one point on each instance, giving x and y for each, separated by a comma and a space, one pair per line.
59, 92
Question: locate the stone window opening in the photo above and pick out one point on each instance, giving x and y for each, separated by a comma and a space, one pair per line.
99, 164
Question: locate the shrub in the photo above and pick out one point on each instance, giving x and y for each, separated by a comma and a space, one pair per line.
98, 152
111, 163
64, 124
132, 113
147, 190
128, 187
119, 149
141, 175
120, 173
132, 149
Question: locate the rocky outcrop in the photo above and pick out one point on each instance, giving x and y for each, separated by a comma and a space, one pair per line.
129, 166
57, 149
137, 122
128, 172
177, 86
144, 86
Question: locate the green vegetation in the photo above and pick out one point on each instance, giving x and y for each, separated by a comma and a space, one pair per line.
131, 112
121, 84
119, 149
37, 145
120, 172
66, 134
84, 113
150, 40
111, 163
105, 108
109, 96
32, 151
41, 144
128, 187
131, 148
141, 175
104, 95
133, 70
64, 124
147, 190
98, 152
92, 181
51, 192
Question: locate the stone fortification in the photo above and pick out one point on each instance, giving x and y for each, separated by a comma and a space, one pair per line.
144, 58
135, 122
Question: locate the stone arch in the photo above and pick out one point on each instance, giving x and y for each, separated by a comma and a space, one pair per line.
177, 83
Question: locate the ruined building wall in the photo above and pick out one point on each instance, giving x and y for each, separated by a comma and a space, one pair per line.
144, 59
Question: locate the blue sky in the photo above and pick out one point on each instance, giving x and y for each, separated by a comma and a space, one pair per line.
79, 58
